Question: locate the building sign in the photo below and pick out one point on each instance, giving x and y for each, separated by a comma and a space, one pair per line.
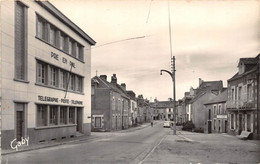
64, 60
59, 100
222, 116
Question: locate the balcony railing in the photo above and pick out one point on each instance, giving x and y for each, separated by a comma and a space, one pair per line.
240, 104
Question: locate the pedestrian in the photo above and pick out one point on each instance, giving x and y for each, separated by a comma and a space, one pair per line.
151, 123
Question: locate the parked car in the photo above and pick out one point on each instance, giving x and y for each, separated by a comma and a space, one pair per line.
167, 124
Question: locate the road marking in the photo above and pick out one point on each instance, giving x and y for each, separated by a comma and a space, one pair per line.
152, 150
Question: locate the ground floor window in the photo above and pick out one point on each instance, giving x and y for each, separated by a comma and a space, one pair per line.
57, 115
72, 115
53, 115
97, 122
41, 115
63, 114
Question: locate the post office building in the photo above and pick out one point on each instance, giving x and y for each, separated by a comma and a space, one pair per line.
45, 74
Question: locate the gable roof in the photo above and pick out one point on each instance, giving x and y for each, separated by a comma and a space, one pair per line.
116, 88
222, 97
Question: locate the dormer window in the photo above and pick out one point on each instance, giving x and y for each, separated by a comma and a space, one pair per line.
241, 68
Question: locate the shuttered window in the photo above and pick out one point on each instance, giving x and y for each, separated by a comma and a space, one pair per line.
20, 41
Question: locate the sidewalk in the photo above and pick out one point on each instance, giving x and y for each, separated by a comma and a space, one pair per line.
191, 147
92, 137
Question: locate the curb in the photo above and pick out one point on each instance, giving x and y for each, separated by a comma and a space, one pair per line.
90, 138
49, 145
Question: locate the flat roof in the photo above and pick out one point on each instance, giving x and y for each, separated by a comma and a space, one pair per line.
58, 14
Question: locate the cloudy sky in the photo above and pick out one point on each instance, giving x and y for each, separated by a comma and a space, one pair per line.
133, 40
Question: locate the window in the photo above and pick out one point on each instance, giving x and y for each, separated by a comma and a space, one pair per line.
41, 28
47, 74
63, 115
249, 92
81, 52
70, 48
72, 82
215, 110
97, 122
53, 115
41, 115
75, 50
52, 36
233, 94
63, 79
248, 123
79, 81
66, 115
239, 93
21, 41
209, 114
62, 42
72, 115
54, 72
41, 72
219, 109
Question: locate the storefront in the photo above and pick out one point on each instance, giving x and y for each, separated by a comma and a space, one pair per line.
46, 76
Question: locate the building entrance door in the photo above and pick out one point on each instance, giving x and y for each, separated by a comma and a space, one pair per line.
225, 126
79, 119
20, 121
239, 124
209, 127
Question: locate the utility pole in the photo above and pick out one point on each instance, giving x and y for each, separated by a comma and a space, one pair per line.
172, 74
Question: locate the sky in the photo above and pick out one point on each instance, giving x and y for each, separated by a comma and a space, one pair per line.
133, 40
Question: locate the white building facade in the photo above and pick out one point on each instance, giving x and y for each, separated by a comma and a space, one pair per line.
45, 74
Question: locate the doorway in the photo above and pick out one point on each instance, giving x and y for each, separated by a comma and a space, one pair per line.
226, 126
20, 121
240, 124
79, 120
209, 127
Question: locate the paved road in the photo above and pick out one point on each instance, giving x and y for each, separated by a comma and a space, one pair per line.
126, 147
148, 145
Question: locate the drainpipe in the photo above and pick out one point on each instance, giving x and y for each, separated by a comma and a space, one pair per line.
258, 101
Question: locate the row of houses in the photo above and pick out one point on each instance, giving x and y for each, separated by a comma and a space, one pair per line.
232, 109
113, 107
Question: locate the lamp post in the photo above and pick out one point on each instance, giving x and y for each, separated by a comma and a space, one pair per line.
172, 74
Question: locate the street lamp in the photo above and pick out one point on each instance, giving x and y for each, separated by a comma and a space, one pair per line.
172, 74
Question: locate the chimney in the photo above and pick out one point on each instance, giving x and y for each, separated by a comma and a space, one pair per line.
114, 79
104, 77
200, 81
123, 86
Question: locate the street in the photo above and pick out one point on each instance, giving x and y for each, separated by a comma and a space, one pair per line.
147, 145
